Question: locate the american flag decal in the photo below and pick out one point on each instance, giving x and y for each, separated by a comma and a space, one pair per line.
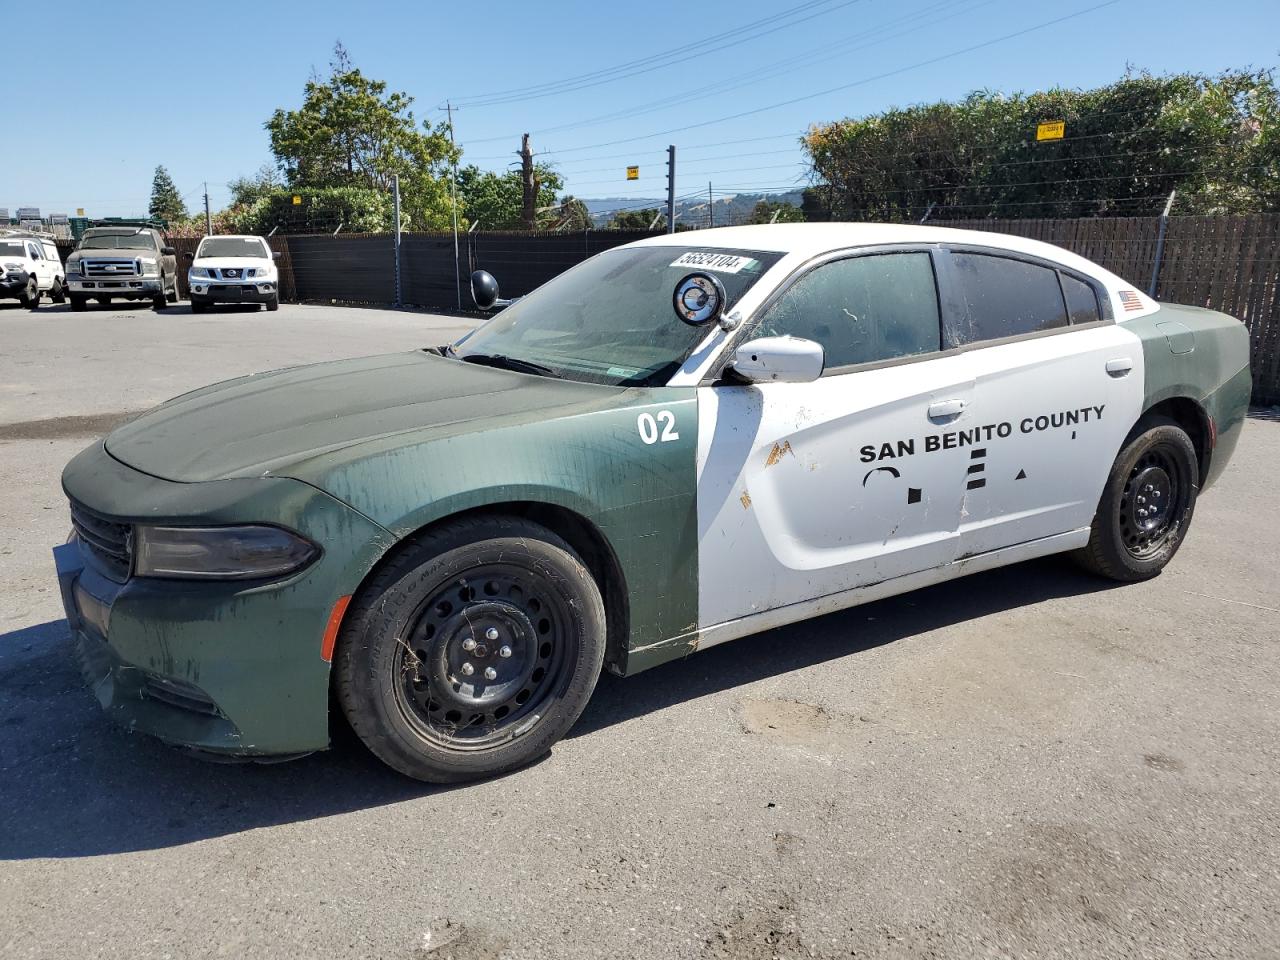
1130, 301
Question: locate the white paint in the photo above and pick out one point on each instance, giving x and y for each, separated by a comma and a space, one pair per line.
659, 428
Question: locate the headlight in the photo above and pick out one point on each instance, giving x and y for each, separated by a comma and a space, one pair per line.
260, 272
13, 266
148, 265
73, 267
201, 272
219, 553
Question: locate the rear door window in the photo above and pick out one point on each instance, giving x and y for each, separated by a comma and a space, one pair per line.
1002, 297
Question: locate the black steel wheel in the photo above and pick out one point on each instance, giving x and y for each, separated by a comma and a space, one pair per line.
472, 650
30, 298
1147, 504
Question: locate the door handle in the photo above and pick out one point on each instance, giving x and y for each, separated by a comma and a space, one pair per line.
944, 409
1119, 367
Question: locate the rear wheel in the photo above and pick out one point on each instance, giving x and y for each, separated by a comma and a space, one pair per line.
105, 301
1147, 504
59, 293
274, 303
79, 303
472, 651
161, 299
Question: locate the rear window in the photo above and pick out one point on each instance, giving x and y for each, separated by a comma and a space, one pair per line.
1006, 298
10, 249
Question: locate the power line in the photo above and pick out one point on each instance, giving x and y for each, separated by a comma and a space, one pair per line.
613, 73
855, 83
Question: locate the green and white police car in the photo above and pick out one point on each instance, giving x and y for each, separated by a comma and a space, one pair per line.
675, 443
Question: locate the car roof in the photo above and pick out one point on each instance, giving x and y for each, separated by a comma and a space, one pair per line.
806, 240
231, 236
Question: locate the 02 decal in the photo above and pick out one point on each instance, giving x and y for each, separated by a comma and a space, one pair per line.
659, 428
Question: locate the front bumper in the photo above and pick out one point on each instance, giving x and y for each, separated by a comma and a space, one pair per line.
222, 667
232, 291
130, 288
13, 284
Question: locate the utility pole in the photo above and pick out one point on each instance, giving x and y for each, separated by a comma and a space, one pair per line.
671, 188
711, 206
208, 219
1164, 226
530, 185
453, 188
395, 191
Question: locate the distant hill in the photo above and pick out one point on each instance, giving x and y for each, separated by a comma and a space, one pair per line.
728, 210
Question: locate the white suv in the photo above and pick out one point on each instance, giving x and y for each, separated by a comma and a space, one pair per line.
233, 269
29, 268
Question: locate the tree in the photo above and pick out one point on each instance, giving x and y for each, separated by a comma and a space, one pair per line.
495, 200
351, 132
572, 214
764, 211
246, 190
166, 202
637, 220
1212, 138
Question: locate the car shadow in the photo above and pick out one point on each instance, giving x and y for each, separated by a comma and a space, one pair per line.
73, 785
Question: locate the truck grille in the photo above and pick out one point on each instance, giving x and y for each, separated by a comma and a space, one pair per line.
109, 267
108, 542
232, 273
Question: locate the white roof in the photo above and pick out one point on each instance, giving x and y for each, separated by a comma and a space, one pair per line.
802, 241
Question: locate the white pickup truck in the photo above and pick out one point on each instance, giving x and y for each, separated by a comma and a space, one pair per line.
30, 268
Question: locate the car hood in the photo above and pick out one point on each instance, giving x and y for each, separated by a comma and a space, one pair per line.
235, 263
129, 253
263, 424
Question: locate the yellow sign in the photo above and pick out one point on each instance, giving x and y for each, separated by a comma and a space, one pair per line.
1052, 130
633, 173
297, 200
79, 211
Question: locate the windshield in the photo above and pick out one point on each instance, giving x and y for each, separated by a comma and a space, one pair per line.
610, 319
233, 247
116, 241
11, 249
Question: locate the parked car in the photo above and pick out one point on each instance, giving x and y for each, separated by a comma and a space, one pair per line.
233, 269
30, 267
127, 263
673, 444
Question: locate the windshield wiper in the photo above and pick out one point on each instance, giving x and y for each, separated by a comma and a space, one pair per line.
508, 363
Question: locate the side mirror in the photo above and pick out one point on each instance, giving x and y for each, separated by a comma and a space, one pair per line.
275, 254
778, 360
167, 251
484, 289
188, 255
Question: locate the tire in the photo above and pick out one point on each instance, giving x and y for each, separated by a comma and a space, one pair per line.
274, 303
198, 306
105, 301
409, 700
30, 298
1157, 471
161, 299
59, 293
79, 304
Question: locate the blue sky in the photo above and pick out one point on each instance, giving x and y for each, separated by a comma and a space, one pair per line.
207, 77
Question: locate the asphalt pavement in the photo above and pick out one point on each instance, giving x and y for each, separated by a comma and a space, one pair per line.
1025, 763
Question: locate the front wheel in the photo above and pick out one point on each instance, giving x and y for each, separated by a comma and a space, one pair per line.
1146, 506
79, 303
161, 299
30, 298
274, 303
472, 651
59, 292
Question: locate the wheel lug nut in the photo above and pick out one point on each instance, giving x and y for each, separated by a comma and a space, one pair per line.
469, 644
1142, 500
504, 652
490, 673
468, 669
491, 633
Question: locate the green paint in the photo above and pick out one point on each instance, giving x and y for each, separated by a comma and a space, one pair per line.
1203, 356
